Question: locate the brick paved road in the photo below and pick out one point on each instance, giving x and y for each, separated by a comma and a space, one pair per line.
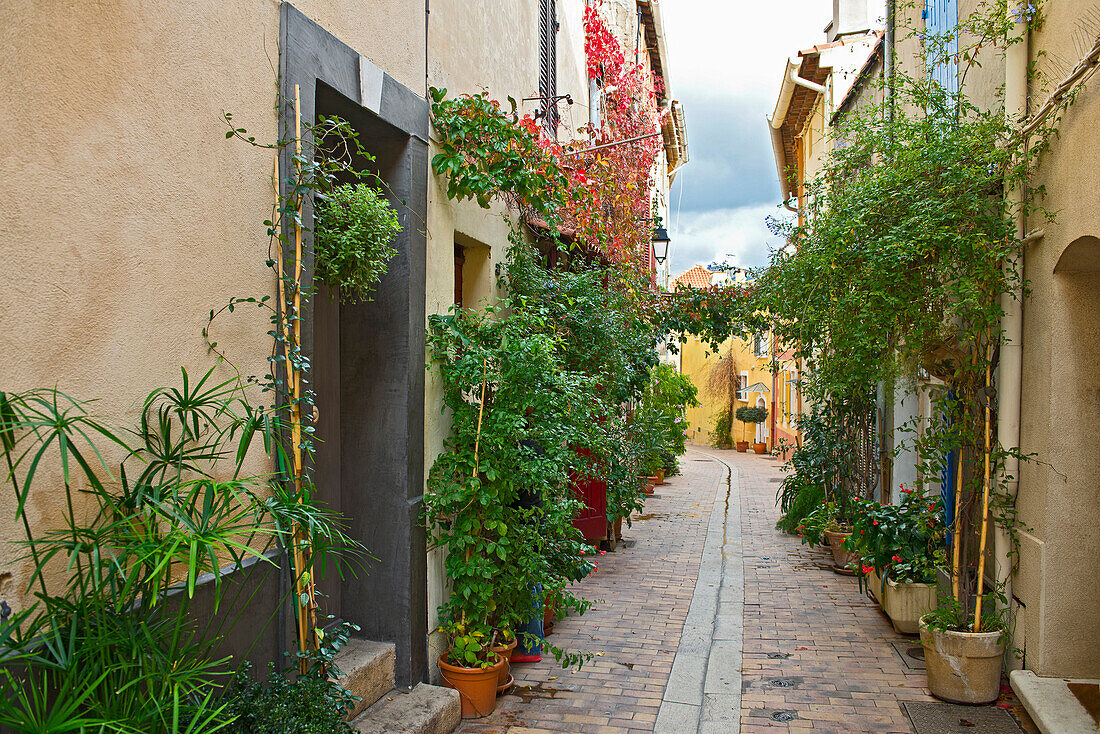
832, 646
642, 593
845, 675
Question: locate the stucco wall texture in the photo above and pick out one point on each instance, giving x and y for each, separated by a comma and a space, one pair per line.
1059, 499
127, 214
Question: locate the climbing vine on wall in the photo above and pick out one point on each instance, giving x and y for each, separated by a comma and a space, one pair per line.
595, 189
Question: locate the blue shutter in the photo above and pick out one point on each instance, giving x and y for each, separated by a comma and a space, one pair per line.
941, 17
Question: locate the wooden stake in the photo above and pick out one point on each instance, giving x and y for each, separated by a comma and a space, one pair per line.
985, 498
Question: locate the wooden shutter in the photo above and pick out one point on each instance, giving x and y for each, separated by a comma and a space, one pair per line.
548, 63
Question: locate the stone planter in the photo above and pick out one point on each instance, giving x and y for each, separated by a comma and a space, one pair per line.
963, 667
841, 557
905, 604
874, 586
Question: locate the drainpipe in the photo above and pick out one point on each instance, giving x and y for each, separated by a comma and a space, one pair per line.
1010, 366
806, 83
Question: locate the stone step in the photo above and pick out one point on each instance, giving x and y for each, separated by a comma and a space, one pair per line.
426, 709
366, 670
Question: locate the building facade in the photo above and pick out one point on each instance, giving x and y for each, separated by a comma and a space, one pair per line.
144, 218
1047, 376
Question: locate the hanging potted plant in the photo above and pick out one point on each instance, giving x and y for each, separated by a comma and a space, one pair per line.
746, 415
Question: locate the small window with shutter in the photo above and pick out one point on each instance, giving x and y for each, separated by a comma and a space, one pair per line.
548, 64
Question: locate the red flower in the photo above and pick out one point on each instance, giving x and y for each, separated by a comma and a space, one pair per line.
867, 569
896, 559
874, 522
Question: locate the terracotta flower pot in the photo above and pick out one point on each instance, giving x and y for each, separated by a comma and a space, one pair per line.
841, 557
760, 448
660, 477
742, 446
505, 653
963, 667
549, 615
647, 489
905, 604
477, 687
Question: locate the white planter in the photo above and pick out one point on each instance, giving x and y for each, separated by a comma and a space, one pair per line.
905, 604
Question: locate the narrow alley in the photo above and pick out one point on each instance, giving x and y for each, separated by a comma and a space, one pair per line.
816, 655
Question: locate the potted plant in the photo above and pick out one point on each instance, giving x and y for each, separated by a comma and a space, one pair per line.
902, 545
506, 642
828, 524
746, 415
964, 666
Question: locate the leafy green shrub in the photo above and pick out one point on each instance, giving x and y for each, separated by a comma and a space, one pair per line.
720, 431
904, 542
352, 244
289, 702
665, 401
747, 414
112, 645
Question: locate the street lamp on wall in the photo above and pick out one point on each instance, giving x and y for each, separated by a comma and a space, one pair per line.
660, 245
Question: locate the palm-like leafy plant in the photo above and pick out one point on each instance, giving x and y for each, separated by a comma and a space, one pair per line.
107, 642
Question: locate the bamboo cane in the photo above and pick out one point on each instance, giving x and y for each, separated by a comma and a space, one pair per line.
304, 588
480, 412
956, 524
985, 498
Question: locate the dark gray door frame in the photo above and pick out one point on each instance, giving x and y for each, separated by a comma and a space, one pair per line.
382, 425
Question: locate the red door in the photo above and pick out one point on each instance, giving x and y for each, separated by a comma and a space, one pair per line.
592, 519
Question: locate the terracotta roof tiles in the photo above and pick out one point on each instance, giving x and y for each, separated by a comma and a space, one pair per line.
696, 277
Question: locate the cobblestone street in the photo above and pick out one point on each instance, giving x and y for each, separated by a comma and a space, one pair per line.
808, 654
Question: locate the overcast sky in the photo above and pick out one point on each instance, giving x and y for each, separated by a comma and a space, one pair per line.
726, 60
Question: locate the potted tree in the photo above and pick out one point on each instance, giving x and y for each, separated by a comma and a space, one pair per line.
499, 496
746, 415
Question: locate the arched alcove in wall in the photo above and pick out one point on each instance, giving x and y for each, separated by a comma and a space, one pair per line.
1081, 256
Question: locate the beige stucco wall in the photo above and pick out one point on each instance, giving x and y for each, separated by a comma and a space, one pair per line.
1057, 585
128, 215
1059, 499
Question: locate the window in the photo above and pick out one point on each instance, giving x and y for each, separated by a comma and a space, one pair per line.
941, 17
548, 64
460, 263
742, 383
760, 345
